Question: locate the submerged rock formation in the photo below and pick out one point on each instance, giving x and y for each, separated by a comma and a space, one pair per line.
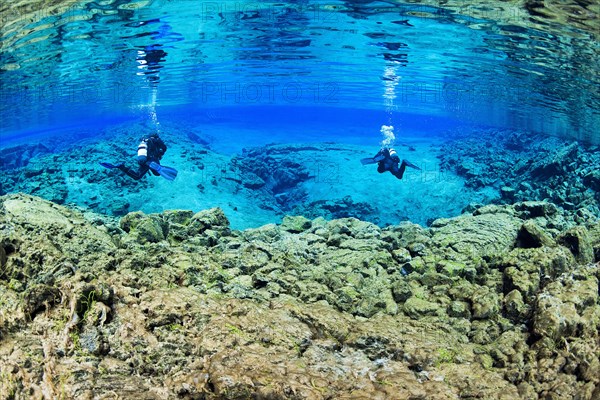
528, 167
498, 304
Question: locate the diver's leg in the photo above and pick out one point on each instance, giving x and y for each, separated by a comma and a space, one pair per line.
133, 174
399, 172
380, 168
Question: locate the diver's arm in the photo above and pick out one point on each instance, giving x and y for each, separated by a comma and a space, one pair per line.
162, 147
379, 156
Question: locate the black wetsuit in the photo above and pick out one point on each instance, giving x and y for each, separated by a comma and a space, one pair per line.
156, 149
390, 162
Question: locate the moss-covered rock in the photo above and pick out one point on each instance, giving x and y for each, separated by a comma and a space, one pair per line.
181, 217
39, 298
534, 209
594, 234
131, 220
514, 306
417, 308
577, 240
213, 219
425, 313
459, 309
485, 303
568, 307
532, 235
142, 228
527, 269
295, 224
469, 238
402, 290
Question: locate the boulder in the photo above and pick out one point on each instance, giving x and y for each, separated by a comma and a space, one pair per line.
295, 224
213, 219
143, 228
469, 238
577, 240
532, 235
417, 308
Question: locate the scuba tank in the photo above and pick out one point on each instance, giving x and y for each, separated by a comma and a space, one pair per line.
143, 151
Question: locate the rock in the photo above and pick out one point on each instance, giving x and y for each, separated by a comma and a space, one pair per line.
131, 220
20, 156
533, 209
359, 245
354, 228
213, 219
348, 298
531, 235
338, 208
40, 297
468, 238
91, 340
486, 304
144, 228
594, 233
375, 297
459, 309
417, 308
484, 332
454, 268
401, 255
514, 306
494, 209
578, 242
522, 280
269, 233
180, 217
508, 193
3, 257
270, 171
554, 319
32, 172
556, 164
592, 180
252, 181
295, 224
402, 291
567, 306
252, 258
407, 234
119, 207
479, 317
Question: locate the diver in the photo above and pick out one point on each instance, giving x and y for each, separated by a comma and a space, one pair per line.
387, 160
150, 151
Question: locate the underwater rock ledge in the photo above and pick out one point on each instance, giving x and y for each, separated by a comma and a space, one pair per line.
501, 303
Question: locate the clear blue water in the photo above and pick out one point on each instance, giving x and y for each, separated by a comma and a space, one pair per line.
84, 63
293, 72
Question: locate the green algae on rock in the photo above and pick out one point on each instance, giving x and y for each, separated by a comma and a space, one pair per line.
499, 304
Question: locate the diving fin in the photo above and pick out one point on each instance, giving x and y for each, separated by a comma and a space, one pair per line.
367, 161
372, 160
409, 164
166, 172
110, 166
